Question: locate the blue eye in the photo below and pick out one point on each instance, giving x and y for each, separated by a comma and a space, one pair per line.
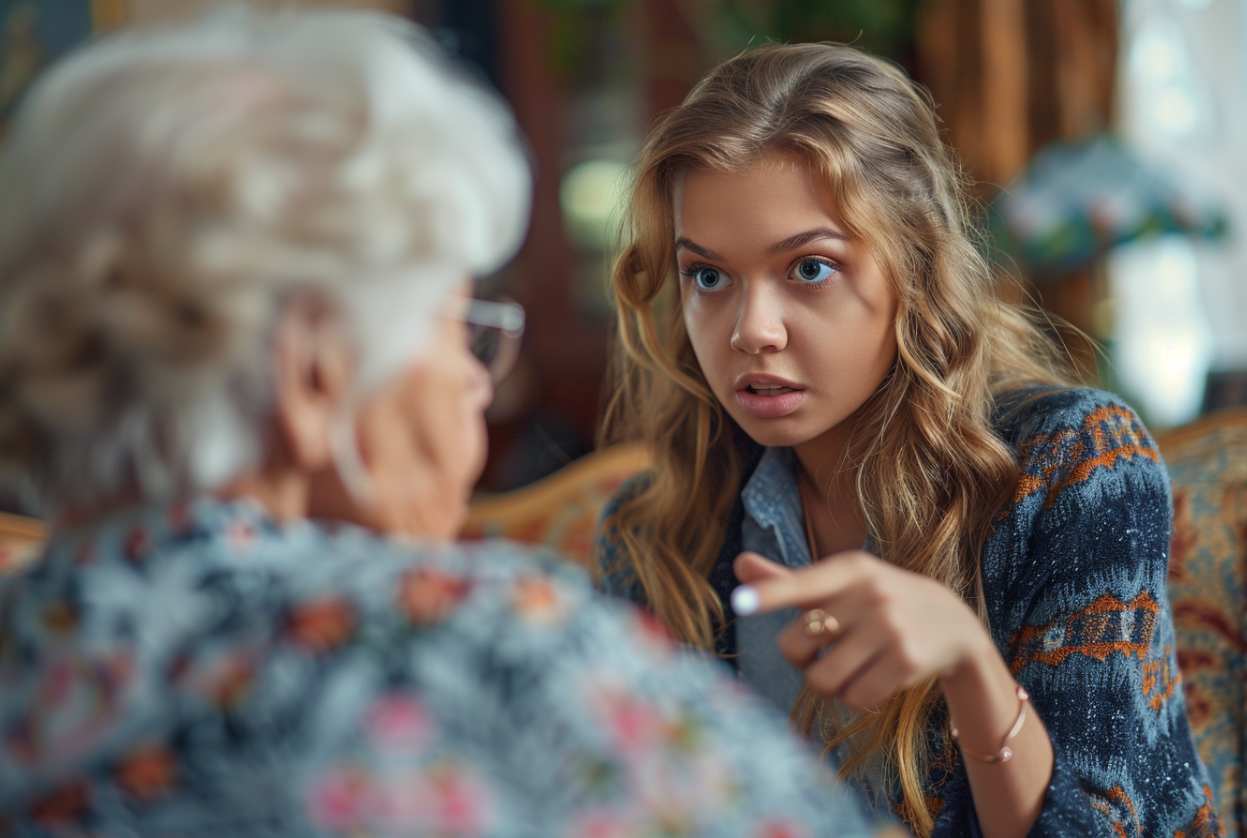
708, 279
814, 270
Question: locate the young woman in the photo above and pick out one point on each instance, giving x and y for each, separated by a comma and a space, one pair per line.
846, 419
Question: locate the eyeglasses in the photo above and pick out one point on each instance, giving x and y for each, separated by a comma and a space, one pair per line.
494, 332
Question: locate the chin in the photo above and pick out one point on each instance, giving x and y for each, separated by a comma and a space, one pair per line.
774, 433
455, 521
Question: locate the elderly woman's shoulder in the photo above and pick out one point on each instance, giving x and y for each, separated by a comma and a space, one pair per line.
488, 599
428, 583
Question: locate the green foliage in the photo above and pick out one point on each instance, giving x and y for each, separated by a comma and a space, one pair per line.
885, 27
573, 22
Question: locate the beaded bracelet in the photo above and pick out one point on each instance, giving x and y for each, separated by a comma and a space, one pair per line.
1005, 753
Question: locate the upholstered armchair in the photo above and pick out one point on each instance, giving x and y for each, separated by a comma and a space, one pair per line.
19, 540
1207, 464
562, 510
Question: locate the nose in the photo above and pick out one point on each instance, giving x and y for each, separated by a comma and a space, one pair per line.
760, 321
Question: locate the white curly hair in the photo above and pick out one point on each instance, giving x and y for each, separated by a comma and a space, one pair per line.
162, 191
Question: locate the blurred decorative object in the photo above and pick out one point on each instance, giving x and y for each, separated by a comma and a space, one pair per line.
1074, 201
1179, 102
561, 511
1162, 343
1182, 105
606, 121
1207, 464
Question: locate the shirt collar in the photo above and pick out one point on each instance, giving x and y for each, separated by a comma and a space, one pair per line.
772, 500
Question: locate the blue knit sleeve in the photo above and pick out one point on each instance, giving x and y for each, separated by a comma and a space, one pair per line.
1075, 582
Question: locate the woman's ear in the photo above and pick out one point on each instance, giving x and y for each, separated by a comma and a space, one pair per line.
312, 363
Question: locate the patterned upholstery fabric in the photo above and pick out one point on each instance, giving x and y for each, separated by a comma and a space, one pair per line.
20, 540
1208, 470
561, 511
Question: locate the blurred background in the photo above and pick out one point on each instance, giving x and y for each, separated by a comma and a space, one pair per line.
1104, 136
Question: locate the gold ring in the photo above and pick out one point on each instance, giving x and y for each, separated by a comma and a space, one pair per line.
818, 623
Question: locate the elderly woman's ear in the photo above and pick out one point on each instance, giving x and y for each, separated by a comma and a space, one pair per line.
312, 365
312, 362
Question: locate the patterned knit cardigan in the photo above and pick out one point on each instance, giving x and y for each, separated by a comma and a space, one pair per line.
1074, 582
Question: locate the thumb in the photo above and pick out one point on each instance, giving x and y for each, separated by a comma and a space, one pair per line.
751, 568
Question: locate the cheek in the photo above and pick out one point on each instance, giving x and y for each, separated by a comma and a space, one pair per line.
846, 330
711, 343
470, 432
430, 416
879, 345
448, 416
461, 422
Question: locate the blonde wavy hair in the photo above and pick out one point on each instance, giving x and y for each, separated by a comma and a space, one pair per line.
931, 473
163, 192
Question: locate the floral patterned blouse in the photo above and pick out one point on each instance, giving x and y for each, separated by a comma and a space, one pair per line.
200, 670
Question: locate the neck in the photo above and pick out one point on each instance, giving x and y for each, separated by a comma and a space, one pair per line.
824, 464
283, 494
828, 486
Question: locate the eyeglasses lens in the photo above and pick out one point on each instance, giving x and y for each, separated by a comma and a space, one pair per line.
495, 348
494, 330
484, 343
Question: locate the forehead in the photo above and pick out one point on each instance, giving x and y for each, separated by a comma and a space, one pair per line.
771, 193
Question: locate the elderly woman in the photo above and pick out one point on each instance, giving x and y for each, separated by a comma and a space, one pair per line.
233, 301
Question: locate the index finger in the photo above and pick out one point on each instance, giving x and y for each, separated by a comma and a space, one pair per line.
801, 588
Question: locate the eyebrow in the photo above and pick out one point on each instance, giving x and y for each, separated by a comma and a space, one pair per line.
790, 243
687, 244
793, 242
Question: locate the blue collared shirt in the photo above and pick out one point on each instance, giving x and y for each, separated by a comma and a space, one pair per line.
774, 527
